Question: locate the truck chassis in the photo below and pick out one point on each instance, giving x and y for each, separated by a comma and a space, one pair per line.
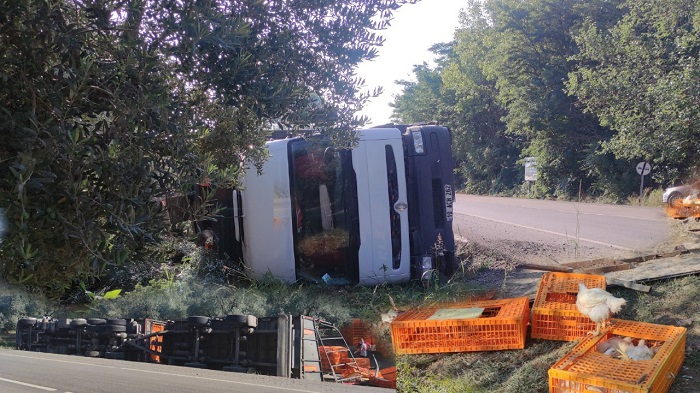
286, 346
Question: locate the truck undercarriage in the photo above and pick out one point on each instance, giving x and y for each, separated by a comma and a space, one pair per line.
285, 346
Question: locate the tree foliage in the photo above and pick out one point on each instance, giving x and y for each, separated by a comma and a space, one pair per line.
642, 79
589, 88
106, 106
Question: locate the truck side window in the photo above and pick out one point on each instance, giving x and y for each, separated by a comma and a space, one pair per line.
393, 185
319, 178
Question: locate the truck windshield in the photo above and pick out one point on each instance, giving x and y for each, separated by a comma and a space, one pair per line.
325, 220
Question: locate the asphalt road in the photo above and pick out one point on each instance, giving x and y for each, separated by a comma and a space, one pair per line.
22, 372
560, 231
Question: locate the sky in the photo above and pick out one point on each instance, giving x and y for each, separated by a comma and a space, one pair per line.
414, 29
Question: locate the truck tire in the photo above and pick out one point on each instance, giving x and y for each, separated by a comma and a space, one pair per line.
27, 321
96, 328
96, 321
115, 328
78, 322
237, 319
181, 345
197, 320
63, 323
242, 320
120, 322
451, 264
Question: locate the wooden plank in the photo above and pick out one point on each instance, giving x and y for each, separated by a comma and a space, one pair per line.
643, 258
598, 266
628, 284
660, 269
547, 268
669, 254
589, 263
605, 269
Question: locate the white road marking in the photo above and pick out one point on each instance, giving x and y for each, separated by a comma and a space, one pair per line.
28, 384
161, 373
218, 380
544, 231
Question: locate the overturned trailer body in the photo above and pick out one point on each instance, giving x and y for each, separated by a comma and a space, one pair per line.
285, 345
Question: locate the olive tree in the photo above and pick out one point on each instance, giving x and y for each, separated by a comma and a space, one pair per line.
107, 106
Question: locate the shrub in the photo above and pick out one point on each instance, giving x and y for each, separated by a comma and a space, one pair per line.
16, 303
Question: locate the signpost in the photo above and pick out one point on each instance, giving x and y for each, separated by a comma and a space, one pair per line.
530, 171
643, 168
530, 168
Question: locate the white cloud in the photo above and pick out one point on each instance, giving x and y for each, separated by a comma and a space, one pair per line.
415, 28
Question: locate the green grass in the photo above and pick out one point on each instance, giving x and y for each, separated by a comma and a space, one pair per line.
671, 302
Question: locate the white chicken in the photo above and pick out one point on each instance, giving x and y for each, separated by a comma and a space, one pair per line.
598, 305
639, 352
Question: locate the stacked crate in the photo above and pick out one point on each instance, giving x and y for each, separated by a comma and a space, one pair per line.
331, 356
502, 324
585, 369
554, 313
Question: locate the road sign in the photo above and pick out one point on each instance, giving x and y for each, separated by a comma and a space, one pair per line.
643, 168
530, 168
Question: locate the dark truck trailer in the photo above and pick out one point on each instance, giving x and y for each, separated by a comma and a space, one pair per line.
284, 346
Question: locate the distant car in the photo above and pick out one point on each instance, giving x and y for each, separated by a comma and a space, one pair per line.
676, 194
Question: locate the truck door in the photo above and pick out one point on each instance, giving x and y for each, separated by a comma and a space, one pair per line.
383, 207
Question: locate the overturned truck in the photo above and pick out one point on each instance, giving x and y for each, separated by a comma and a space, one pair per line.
380, 212
286, 346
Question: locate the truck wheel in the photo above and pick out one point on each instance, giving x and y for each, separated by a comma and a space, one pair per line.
63, 323
96, 328
237, 319
242, 320
96, 321
450, 264
197, 320
120, 322
78, 322
115, 328
27, 321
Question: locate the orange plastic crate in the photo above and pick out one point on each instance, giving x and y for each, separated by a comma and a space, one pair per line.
554, 313
356, 330
585, 370
356, 362
502, 325
331, 356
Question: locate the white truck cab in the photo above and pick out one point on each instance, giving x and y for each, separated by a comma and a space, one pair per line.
378, 213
